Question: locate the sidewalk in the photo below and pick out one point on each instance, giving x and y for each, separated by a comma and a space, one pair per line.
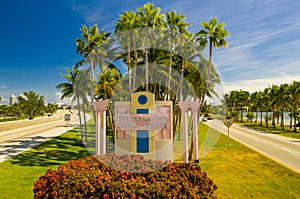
9, 125
16, 146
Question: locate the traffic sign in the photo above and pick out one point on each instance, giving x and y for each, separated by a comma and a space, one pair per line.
228, 121
67, 117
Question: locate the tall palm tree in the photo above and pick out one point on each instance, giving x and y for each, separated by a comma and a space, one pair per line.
107, 82
274, 89
150, 18
294, 100
90, 46
212, 33
244, 98
82, 87
68, 90
129, 22
265, 99
254, 104
282, 101
176, 26
187, 51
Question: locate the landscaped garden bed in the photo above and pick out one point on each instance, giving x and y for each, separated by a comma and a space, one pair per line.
91, 178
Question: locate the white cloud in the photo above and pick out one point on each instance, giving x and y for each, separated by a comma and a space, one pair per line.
253, 85
65, 100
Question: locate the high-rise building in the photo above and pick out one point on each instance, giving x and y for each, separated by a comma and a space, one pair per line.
12, 100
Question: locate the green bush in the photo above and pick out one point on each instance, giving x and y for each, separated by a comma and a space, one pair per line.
90, 178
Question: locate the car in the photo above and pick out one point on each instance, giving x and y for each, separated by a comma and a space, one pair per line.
204, 119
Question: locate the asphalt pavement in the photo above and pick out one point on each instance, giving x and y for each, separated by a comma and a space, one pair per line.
13, 142
282, 149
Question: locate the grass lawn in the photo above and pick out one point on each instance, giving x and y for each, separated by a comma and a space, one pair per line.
288, 132
18, 174
238, 171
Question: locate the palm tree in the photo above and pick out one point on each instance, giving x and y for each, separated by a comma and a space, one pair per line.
213, 33
106, 84
274, 89
90, 46
187, 51
254, 104
294, 99
176, 26
82, 87
244, 98
68, 90
282, 101
31, 102
265, 100
129, 21
107, 81
150, 18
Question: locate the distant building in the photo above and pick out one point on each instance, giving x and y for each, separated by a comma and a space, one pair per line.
12, 100
61, 105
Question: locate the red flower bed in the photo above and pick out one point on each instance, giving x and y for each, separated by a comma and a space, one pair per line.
90, 178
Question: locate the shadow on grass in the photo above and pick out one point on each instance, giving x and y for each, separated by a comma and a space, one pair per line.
52, 152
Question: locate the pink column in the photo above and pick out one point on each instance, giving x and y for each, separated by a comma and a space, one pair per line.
195, 107
98, 133
100, 108
103, 133
184, 106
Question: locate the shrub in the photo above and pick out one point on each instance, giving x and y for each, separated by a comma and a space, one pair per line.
90, 178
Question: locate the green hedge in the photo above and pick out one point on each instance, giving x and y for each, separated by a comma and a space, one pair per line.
90, 178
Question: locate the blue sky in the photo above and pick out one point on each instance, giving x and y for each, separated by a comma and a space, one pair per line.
37, 39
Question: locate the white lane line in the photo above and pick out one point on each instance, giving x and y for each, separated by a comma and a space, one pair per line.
288, 150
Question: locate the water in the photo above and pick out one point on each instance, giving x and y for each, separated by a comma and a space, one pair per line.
285, 116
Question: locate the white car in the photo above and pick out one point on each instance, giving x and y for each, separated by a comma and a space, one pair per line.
204, 119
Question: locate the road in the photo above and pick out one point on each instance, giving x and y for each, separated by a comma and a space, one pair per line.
282, 149
13, 142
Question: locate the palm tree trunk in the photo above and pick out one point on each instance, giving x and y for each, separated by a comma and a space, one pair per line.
80, 123
135, 64
170, 68
146, 62
291, 119
267, 119
282, 119
175, 123
181, 79
92, 90
84, 119
261, 119
295, 119
207, 83
242, 115
179, 125
256, 116
273, 119
129, 72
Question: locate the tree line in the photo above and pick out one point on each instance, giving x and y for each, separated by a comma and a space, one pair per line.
29, 105
276, 99
161, 56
